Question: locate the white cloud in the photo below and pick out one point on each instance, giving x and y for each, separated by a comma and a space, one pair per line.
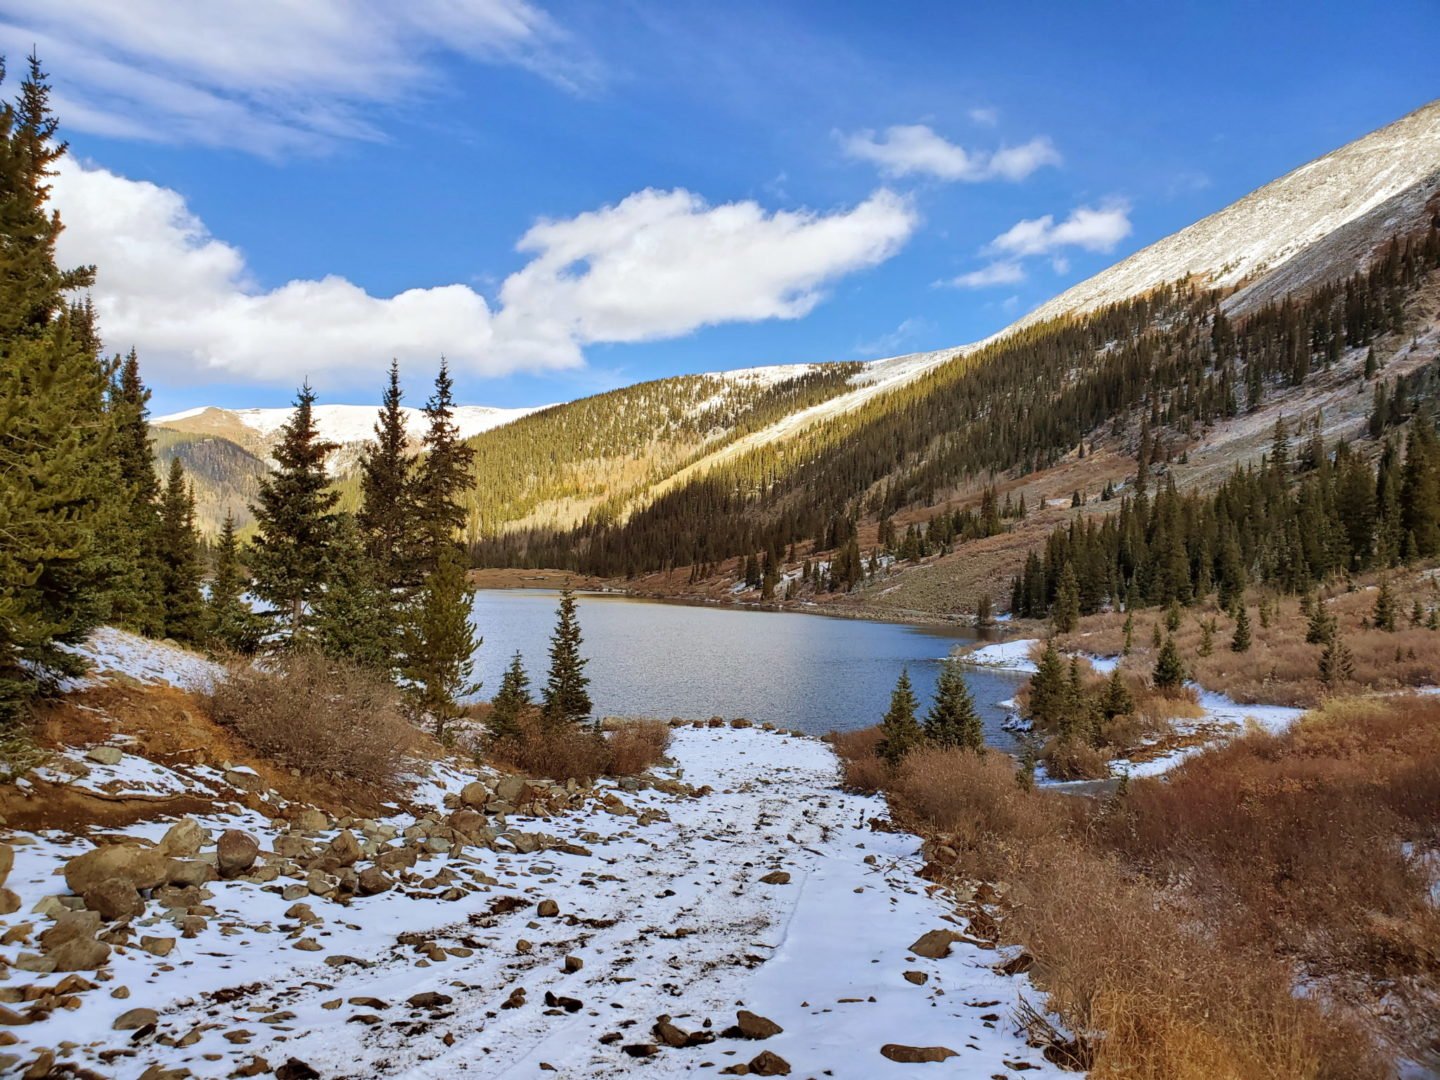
1087, 227
907, 149
267, 76
1005, 272
655, 265
985, 115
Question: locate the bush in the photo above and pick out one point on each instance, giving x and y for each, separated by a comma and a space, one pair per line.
573, 752
1074, 759
317, 715
861, 768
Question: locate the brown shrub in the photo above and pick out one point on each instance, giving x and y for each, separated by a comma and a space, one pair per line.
569, 752
1074, 759
318, 715
861, 768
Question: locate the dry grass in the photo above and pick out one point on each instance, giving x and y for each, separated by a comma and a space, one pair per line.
1172, 924
320, 716
861, 769
568, 752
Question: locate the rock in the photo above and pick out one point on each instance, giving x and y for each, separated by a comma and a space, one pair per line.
235, 852
670, 1035
573, 964
114, 899
70, 943
515, 1000
547, 909
429, 1000
752, 1026
310, 820
306, 944
510, 789
134, 1019
295, 1069
919, 978
344, 850
373, 880
776, 877
158, 946
183, 840
189, 873
9, 901
914, 1055
138, 867
767, 1063
641, 1050
41, 965
105, 755
7, 862
935, 944
474, 795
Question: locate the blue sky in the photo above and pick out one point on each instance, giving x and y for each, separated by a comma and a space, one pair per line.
696, 186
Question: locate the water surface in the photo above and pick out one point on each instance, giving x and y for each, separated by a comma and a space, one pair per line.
816, 673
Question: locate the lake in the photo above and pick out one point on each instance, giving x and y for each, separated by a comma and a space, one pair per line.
815, 673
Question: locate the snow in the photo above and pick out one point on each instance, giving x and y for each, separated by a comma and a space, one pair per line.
356, 423
1224, 718
669, 918
113, 652
1004, 655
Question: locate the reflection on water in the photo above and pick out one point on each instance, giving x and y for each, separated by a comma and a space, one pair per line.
810, 672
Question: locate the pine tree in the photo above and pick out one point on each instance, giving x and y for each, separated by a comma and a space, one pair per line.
1169, 673
135, 594
178, 548
1321, 626
899, 730
1129, 632
1065, 614
441, 477
1116, 700
230, 624
386, 513
565, 696
440, 643
1384, 614
952, 721
512, 703
1240, 642
1207, 636
1049, 689
294, 520
353, 617
1337, 665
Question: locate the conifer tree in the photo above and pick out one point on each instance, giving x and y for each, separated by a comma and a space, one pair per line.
386, 515
1129, 632
353, 615
1049, 689
953, 722
441, 477
565, 696
1384, 613
1337, 665
899, 730
512, 702
135, 594
1065, 613
178, 549
230, 624
440, 643
295, 521
1116, 700
1169, 673
1240, 642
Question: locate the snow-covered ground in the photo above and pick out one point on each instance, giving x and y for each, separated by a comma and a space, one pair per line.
662, 901
1004, 655
354, 423
113, 653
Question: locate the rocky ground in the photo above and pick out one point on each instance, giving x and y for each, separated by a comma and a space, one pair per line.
733, 912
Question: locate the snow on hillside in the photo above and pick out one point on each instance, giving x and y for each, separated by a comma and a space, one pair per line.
1276, 222
356, 423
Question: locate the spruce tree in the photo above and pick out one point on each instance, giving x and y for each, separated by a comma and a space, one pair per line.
230, 623
565, 697
1321, 625
135, 594
1337, 665
1384, 614
1116, 700
1169, 673
953, 722
178, 549
440, 643
512, 703
386, 515
899, 730
353, 616
295, 521
1049, 690
1240, 642
441, 477
1066, 612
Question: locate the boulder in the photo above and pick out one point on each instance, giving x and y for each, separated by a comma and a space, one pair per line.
138, 867
105, 755
510, 789
183, 840
310, 820
373, 880
767, 1063
547, 909
915, 1055
935, 944
7, 861
135, 1019
189, 873
344, 850
776, 877
114, 899
474, 795
9, 901
70, 943
751, 1026
235, 852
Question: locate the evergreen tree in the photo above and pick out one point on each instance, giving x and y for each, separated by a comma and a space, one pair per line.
135, 594
1337, 665
1049, 689
440, 643
230, 624
899, 730
294, 521
1384, 614
1129, 632
1240, 642
1116, 700
1321, 625
1169, 673
178, 549
565, 697
1065, 613
512, 702
442, 475
953, 722
353, 616
386, 513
